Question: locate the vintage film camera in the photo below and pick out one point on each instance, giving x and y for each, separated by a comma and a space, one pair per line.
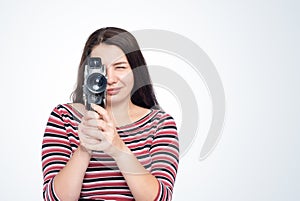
94, 87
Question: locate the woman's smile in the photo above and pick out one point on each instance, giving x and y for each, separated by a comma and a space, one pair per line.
113, 91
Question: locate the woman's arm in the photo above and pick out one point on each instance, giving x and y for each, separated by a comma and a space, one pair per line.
157, 184
68, 182
63, 170
143, 185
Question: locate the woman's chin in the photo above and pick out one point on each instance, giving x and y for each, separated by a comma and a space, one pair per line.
116, 99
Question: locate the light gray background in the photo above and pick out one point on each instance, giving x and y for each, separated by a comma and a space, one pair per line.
253, 44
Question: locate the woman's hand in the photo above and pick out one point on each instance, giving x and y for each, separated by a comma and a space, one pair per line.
97, 132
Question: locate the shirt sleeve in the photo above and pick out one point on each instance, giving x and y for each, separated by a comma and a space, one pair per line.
165, 157
56, 151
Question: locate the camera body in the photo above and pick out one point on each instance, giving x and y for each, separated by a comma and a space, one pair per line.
95, 82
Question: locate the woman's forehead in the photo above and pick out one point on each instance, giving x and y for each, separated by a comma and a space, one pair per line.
109, 54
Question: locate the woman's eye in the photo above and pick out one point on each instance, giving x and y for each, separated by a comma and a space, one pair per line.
120, 67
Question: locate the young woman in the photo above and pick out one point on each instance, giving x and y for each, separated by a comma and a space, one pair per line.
126, 151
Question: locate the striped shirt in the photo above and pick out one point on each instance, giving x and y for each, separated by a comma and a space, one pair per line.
153, 139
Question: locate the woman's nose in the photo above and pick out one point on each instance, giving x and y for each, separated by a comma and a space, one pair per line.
111, 78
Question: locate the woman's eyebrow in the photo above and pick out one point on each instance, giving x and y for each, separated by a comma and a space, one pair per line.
120, 63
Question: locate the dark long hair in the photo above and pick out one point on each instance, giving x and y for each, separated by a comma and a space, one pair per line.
142, 93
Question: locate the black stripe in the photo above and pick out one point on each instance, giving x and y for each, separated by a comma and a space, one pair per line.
55, 115
139, 140
71, 113
49, 172
165, 170
72, 135
55, 145
164, 162
139, 148
46, 134
104, 179
103, 168
165, 145
56, 154
150, 120
105, 188
52, 192
55, 125
147, 155
136, 131
165, 153
164, 178
75, 128
54, 163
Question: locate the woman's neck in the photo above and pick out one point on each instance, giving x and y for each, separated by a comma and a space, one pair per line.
121, 112
126, 113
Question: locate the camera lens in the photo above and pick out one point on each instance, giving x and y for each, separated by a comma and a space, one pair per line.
96, 83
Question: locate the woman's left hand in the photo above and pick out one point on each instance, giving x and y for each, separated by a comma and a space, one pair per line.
98, 133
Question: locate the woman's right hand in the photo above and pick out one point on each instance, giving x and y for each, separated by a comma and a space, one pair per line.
97, 132
85, 128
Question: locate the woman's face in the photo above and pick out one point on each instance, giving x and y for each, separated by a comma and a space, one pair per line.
120, 78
